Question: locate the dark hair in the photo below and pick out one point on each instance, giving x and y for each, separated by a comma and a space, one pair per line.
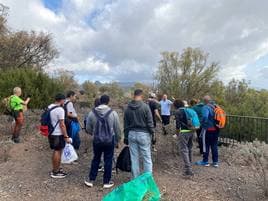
138, 92
59, 97
193, 102
104, 99
70, 93
178, 104
97, 102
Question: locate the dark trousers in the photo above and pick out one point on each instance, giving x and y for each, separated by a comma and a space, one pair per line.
108, 151
211, 141
165, 119
199, 140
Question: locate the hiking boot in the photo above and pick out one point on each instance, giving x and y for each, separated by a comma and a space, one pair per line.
202, 163
89, 183
215, 164
188, 173
109, 185
15, 139
58, 175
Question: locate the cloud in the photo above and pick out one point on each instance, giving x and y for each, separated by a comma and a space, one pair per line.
124, 38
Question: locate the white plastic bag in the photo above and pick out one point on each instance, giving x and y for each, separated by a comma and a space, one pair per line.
68, 154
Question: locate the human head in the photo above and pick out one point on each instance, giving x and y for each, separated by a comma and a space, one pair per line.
104, 99
178, 103
138, 94
193, 102
71, 96
17, 91
152, 95
97, 102
185, 103
165, 97
60, 98
207, 99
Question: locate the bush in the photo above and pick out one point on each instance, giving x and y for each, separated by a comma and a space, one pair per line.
38, 84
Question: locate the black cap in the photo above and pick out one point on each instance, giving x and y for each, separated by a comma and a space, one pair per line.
59, 97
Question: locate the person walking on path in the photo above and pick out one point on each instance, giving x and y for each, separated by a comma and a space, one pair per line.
197, 107
210, 133
154, 107
138, 129
17, 106
103, 123
185, 136
165, 111
59, 136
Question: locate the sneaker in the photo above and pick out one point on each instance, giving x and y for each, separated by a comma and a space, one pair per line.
189, 173
101, 169
202, 163
215, 164
88, 183
109, 185
154, 149
58, 175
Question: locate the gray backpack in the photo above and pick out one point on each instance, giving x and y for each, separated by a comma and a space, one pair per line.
103, 133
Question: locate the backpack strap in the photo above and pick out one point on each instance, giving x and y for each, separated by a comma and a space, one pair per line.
53, 127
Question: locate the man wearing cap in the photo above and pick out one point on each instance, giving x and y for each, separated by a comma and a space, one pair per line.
59, 136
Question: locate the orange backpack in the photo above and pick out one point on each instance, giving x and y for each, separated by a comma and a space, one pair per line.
220, 116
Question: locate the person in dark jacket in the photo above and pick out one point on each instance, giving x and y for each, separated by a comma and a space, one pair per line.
138, 129
185, 136
197, 107
210, 133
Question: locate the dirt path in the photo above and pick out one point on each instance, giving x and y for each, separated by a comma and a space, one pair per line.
24, 175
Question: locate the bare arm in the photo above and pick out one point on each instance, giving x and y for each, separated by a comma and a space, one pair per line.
26, 102
64, 131
158, 115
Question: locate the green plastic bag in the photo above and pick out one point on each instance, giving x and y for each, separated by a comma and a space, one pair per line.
142, 188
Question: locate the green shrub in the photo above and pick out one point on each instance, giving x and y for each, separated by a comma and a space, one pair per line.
38, 84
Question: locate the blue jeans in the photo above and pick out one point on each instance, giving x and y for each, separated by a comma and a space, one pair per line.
108, 151
211, 142
140, 147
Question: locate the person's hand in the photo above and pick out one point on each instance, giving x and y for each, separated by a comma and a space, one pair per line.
68, 140
126, 141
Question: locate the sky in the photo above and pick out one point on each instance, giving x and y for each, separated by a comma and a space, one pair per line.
121, 40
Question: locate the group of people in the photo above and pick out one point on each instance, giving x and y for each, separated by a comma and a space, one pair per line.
140, 120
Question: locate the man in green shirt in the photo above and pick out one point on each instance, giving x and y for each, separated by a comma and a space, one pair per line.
17, 106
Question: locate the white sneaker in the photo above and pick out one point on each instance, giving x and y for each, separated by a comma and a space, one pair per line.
109, 185
89, 183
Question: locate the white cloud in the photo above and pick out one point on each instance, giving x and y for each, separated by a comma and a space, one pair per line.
124, 38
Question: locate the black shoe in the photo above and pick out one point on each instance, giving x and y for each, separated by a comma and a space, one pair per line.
15, 139
58, 175
188, 173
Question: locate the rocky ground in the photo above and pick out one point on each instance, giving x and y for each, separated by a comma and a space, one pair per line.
24, 172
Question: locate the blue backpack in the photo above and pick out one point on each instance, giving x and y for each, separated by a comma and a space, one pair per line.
103, 133
193, 122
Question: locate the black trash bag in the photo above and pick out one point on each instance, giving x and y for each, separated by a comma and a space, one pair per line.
123, 162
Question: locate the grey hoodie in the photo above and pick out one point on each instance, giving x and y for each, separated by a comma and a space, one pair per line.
138, 117
113, 121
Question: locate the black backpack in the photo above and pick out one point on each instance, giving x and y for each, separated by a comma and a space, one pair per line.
46, 127
123, 162
103, 133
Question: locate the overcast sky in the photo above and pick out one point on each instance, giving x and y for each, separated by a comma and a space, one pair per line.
121, 39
